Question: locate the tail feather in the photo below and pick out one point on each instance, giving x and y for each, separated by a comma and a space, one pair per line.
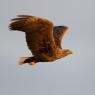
22, 60
30, 60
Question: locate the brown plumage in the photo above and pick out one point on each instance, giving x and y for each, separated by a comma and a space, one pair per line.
43, 39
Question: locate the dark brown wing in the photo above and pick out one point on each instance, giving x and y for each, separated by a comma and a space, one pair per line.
58, 32
39, 33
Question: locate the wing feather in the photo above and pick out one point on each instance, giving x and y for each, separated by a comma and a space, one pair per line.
58, 32
39, 33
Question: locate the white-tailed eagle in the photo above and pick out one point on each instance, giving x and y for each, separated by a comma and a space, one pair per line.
42, 37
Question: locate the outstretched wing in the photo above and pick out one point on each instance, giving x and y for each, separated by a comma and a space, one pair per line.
58, 32
39, 33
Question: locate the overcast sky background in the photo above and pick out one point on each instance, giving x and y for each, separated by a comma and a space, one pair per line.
73, 75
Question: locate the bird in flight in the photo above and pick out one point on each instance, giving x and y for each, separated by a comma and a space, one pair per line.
42, 37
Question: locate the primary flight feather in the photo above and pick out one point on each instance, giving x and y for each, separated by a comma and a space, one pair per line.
42, 37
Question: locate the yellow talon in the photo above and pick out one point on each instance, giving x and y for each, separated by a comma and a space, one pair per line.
32, 63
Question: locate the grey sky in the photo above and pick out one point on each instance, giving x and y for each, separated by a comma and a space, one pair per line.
73, 75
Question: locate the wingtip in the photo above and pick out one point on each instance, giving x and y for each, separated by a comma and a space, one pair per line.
23, 16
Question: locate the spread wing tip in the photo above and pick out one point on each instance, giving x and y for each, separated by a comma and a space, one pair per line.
64, 27
16, 24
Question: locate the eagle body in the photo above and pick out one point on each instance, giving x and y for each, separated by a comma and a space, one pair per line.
42, 37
